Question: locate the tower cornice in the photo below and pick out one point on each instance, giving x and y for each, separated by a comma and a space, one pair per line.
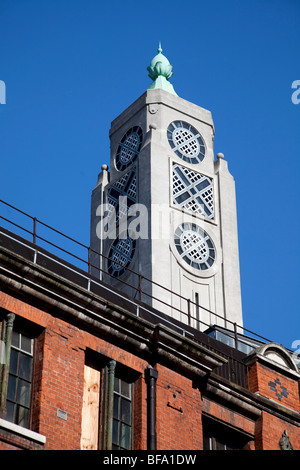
161, 97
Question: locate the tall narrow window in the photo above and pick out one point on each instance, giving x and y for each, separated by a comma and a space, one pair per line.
122, 415
19, 379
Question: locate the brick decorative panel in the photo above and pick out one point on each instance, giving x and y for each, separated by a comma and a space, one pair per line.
272, 384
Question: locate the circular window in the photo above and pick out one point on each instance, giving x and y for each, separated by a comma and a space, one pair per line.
129, 148
186, 142
195, 246
120, 255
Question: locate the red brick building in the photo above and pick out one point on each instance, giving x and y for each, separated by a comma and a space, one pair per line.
91, 369
106, 357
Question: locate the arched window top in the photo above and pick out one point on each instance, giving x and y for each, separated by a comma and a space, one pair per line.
276, 353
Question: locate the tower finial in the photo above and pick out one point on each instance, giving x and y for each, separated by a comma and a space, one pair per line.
160, 70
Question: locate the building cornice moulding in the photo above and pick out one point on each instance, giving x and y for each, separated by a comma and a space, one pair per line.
57, 294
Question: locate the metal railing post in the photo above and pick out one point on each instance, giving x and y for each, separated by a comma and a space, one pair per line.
89, 261
140, 287
34, 229
235, 336
189, 311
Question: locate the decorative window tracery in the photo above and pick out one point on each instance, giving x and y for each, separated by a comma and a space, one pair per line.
193, 191
129, 148
121, 196
194, 246
186, 142
120, 255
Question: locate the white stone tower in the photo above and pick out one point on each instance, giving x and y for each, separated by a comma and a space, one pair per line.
169, 209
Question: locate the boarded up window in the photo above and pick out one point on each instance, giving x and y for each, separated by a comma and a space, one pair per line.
90, 409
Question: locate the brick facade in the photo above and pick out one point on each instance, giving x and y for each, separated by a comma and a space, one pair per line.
269, 427
58, 376
71, 325
275, 385
178, 411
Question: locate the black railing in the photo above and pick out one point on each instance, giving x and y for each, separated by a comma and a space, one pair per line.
234, 370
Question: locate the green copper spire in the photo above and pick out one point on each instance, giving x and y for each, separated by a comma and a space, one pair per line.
160, 70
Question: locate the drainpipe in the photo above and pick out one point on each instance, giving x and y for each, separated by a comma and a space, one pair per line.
110, 403
151, 377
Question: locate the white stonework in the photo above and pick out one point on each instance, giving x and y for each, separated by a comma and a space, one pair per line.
215, 287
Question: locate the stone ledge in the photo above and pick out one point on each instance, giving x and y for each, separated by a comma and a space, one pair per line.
24, 432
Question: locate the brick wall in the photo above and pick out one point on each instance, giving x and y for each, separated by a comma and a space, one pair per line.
178, 412
277, 386
59, 373
140, 414
222, 413
12, 441
61, 386
59, 381
269, 430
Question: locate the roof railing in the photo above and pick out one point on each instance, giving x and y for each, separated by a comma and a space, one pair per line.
141, 292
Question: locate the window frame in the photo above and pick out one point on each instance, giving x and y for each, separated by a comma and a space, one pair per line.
119, 397
218, 433
18, 377
9, 323
109, 370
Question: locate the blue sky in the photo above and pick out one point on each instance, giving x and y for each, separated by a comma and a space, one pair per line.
70, 67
